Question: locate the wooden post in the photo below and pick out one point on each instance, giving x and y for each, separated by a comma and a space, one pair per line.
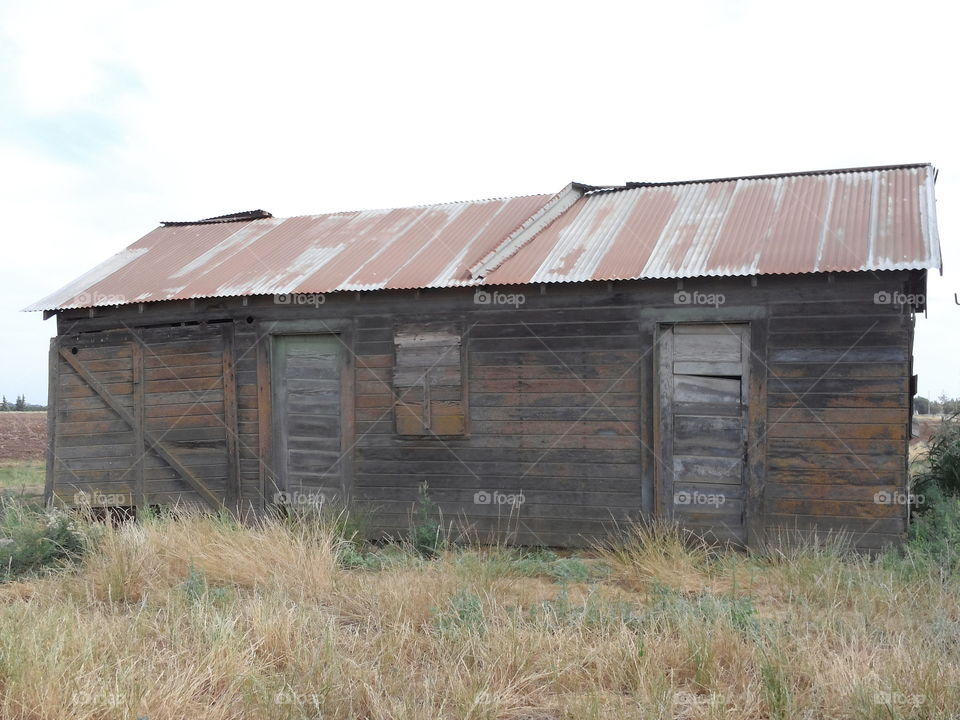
265, 420
756, 434
139, 418
53, 382
233, 489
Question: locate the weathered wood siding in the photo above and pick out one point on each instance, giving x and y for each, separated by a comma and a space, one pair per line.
144, 416
560, 403
838, 415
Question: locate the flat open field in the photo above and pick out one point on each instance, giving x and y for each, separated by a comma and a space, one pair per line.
23, 440
200, 618
23, 435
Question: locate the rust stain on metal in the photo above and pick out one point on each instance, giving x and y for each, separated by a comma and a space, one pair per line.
836, 220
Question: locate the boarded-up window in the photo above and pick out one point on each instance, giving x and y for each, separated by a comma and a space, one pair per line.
428, 380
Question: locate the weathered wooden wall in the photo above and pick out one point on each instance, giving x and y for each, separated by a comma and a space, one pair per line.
560, 401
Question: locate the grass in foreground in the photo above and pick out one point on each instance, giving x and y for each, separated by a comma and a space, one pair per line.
197, 617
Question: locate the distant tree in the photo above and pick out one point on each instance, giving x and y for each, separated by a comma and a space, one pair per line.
921, 405
4, 405
21, 403
942, 400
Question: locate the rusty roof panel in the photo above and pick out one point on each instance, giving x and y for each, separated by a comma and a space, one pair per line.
833, 221
825, 221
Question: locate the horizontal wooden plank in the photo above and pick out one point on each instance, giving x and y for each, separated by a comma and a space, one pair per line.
506, 468
86, 353
689, 367
91, 402
826, 491
856, 354
847, 431
93, 415
554, 344
71, 390
778, 446
549, 427
179, 410
813, 461
721, 345
118, 450
98, 463
855, 324
831, 508
599, 412
599, 326
861, 476
715, 470
855, 385
198, 384
551, 371
841, 400
712, 436
873, 339
825, 370
180, 360
424, 452
577, 356
871, 416
381, 434
66, 429
565, 399
211, 398
214, 370
68, 379
825, 523
93, 439
505, 483
629, 383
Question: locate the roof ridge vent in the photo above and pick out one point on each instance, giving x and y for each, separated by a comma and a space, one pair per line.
554, 208
244, 216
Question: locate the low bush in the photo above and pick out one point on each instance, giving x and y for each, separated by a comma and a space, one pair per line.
939, 467
33, 539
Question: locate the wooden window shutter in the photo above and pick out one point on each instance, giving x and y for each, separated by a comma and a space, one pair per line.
428, 380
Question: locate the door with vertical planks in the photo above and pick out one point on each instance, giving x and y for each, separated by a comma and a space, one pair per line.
702, 468
308, 424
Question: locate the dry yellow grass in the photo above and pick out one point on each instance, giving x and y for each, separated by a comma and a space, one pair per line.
199, 618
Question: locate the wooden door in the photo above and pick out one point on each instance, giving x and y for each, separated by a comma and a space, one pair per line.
308, 424
703, 427
144, 417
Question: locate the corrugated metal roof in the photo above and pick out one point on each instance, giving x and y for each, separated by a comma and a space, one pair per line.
825, 221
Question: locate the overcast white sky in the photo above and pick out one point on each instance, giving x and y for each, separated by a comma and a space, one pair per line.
115, 115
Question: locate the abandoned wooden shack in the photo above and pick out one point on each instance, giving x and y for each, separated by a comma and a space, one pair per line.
735, 354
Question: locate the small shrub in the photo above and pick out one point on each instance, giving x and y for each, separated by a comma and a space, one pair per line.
595, 612
941, 462
464, 611
197, 588
935, 535
543, 562
33, 539
425, 534
352, 557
